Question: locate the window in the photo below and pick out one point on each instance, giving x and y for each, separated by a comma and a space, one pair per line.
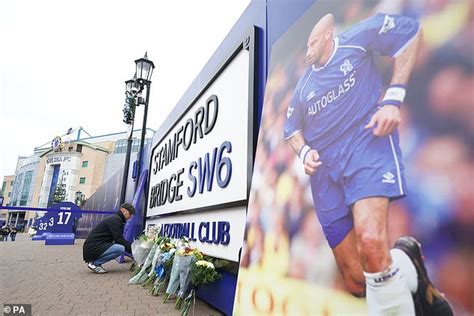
82, 180
26, 188
9, 194
11, 183
85, 164
79, 148
120, 146
135, 144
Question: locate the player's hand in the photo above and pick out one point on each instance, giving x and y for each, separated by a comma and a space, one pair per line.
385, 120
311, 162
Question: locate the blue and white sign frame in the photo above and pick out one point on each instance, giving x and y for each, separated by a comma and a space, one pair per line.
200, 168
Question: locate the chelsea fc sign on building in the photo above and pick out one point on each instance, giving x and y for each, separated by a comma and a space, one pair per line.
200, 168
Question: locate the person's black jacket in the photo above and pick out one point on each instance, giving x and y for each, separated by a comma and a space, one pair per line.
103, 235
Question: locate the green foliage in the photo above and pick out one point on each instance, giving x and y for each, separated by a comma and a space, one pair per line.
150, 280
59, 194
202, 275
136, 270
129, 110
133, 266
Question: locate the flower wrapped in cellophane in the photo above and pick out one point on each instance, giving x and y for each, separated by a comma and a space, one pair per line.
145, 268
164, 246
189, 256
140, 250
142, 247
202, 272
173, 283
141, 276
183, 250
153, 233
162, 271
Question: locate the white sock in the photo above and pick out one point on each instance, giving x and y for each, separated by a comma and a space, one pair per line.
401, 260
388, 294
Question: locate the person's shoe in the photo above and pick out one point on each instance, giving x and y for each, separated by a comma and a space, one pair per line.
96, 269
428, 300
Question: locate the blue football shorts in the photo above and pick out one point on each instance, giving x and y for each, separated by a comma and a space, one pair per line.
357, 166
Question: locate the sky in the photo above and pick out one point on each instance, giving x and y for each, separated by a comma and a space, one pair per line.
63, 63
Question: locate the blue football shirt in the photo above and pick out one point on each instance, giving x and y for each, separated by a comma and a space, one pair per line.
330, 100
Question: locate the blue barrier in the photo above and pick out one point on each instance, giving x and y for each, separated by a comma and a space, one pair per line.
40, 209
218, 293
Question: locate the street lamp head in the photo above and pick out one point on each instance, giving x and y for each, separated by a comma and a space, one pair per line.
78, 195
144, 68
134, 90
131, 85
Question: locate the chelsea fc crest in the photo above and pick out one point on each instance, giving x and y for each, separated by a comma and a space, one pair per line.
56, 143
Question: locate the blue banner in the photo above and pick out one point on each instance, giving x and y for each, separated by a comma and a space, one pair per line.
54, 182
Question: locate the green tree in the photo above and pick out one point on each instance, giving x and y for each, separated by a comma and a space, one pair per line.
129, 110
59, 194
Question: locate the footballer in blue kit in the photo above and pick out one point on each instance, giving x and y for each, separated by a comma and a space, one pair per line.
343, 126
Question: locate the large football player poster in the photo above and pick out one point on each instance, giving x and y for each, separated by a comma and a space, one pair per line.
422, 163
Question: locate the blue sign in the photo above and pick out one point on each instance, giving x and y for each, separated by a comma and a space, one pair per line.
42, 225
61, 219
64, 217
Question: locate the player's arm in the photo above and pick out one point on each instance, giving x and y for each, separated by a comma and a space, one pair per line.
387, 118
405, 62
308, 156
292, 133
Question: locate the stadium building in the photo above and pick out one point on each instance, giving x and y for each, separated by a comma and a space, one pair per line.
6, 194
70, 167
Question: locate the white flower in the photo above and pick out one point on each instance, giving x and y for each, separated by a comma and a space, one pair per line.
205, 263
152, 232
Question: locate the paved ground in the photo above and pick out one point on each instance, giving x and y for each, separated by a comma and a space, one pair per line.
56, 281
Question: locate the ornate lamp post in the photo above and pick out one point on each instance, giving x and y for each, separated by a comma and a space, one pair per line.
133, 91
144, 71
128, 118
79, 198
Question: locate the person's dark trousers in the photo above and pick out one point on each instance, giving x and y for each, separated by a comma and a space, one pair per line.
13, 237
111, 253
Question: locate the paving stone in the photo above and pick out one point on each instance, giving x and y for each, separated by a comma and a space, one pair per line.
55, 281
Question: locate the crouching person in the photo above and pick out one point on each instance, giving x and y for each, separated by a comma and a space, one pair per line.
105, 241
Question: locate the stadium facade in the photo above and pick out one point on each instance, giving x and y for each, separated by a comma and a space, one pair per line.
72, 166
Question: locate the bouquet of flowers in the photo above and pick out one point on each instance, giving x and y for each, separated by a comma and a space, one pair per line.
183, 242
162, 271
153, 233
164, 246
173, 283
142, 247
141, 276
189, 256
183, 249
202, 272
